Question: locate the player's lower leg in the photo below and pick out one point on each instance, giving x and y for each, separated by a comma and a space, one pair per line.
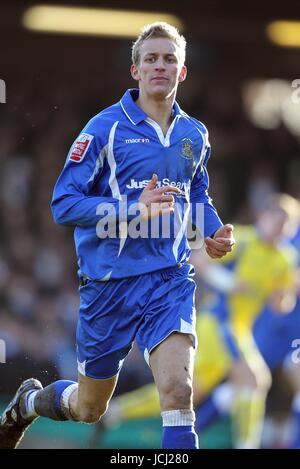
51, 402
172, 367
59, 401
296, 421
247, 418
31, 401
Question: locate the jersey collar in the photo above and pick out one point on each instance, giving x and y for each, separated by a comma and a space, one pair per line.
133, 112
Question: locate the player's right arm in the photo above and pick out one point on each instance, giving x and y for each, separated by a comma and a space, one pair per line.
74, 202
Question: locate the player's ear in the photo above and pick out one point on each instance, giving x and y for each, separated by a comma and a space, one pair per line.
135, 72
183, 74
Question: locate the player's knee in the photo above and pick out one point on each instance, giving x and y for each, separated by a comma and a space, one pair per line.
264, 380
250, 380
91, 414
243, 376
175, 394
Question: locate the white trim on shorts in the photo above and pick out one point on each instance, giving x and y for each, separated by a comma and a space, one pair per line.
186, 328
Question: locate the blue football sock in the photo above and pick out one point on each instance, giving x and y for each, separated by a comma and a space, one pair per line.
180, 437
178, 430
48, 401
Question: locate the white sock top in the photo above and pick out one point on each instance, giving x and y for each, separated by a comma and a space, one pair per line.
65, 398
178, 418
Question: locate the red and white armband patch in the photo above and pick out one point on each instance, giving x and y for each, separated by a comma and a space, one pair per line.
80, 147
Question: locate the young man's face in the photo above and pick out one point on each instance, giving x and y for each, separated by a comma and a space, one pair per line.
160, 68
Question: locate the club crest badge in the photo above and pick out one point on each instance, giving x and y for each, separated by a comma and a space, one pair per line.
187, 148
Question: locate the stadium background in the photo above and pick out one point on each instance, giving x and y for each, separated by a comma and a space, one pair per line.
239, 85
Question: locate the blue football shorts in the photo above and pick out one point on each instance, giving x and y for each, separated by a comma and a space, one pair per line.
147, 308
275, 333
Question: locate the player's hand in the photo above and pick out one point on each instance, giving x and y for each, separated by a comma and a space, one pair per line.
222, 242
154, 201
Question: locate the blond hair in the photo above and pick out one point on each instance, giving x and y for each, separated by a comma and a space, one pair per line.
158, 30
285, 202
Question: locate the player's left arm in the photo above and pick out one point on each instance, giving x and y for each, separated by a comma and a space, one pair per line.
283, 298
218, 238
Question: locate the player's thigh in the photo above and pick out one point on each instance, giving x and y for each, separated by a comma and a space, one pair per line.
172, 361
95, 393
241, 375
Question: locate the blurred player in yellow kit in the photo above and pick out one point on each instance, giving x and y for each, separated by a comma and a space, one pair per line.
259, 271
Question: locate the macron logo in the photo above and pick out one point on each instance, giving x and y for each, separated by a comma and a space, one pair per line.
137, 140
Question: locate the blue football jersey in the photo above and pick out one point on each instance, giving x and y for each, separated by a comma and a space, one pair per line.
108, 166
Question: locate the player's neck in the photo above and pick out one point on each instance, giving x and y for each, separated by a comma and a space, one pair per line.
158, 110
